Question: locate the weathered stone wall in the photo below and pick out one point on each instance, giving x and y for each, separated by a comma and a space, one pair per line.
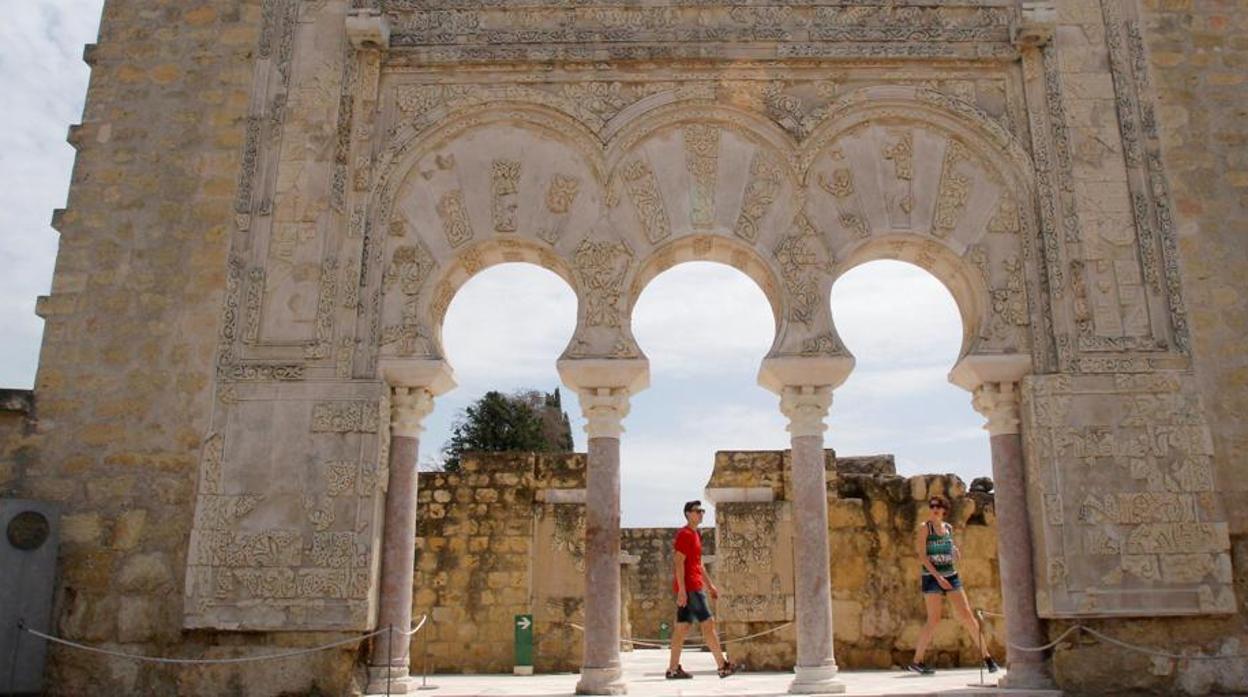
15, 424
493, 542
1193, 57
650, 580
125, 373
872, 514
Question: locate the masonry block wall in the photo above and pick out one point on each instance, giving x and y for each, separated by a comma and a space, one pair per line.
650, 578
493, 542
872, 514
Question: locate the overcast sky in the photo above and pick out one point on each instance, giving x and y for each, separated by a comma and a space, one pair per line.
704, 327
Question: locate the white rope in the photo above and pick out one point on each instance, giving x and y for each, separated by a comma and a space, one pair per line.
213, 661
1117, 642
656, 643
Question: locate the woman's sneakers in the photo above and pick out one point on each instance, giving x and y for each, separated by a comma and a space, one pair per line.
920, 668
678, 674
728, 668
990, 665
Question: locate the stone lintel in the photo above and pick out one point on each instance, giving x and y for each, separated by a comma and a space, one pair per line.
740, 494
560, 495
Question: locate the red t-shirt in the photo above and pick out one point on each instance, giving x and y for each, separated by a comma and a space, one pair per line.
689, 543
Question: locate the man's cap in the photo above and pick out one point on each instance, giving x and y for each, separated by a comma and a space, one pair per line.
690, 505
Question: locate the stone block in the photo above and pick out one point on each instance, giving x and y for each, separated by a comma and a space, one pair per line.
128, 529
145, 573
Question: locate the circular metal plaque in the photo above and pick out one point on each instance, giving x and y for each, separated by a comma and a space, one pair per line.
28, 530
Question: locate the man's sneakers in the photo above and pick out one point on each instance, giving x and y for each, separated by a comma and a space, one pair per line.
728, 668
920, 668
678, 674
990, 665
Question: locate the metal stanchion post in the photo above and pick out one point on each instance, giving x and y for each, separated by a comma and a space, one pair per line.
17, 640
389, 656
979, 614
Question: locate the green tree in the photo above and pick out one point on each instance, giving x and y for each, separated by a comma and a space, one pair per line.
526, 421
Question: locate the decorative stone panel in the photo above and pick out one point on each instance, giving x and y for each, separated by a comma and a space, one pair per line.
1121, 490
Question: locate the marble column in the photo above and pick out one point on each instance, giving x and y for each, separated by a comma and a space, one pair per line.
806, 407
389, 661
998, 402
601, 673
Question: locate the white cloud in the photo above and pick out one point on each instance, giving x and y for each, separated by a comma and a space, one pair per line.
44, 83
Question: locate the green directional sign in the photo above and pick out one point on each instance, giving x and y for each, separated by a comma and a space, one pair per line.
665, 631
524, 644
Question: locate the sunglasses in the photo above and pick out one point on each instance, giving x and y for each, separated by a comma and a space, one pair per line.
937, 506
697, 510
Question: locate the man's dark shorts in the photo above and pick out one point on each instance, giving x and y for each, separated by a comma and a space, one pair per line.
930, 585
695, 609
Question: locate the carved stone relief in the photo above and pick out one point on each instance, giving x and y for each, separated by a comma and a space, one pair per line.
1124, 467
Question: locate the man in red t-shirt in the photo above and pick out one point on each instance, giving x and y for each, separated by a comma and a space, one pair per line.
689, 580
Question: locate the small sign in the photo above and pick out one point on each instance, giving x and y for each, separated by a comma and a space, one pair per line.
665, 631
524, 645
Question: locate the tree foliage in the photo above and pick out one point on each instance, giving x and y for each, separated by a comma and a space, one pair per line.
525, 421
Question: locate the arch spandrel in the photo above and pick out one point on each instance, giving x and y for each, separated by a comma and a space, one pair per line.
913, 175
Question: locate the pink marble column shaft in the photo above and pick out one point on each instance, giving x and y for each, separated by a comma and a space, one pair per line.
398, 555
601, 673
1026, 669
812, 572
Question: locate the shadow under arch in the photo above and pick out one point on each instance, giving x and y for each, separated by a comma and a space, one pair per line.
959, 276
716, 249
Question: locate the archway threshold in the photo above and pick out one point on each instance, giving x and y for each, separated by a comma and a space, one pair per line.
643, 672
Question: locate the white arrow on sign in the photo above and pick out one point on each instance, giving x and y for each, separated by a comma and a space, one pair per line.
524, 623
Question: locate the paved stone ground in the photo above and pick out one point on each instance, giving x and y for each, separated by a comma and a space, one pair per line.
644, 673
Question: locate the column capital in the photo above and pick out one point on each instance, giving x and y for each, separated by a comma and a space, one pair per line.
998, 402
408, 408
604, 409
368, 29
806, 406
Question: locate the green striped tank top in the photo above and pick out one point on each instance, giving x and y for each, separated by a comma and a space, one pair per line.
940, 550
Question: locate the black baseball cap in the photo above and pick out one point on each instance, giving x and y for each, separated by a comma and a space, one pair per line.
693, 505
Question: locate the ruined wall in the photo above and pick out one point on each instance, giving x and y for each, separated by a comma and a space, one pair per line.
493, 542
876, 602
650, 580
124, 380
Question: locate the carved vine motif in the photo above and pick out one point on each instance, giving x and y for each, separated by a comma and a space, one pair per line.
766, 177
410, 266
840, 184
800, 255
898, 193
702, 159
561, 193
326, 294
600, 269
344, 417
954, 191
1006, 218
643, 189
505, 187
455, 222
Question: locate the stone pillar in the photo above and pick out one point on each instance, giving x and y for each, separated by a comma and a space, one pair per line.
601, 673
389, 661
999, 404
604, 387
806, 407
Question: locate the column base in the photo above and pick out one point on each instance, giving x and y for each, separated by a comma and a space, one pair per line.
601, 681
394, 680
816, 680
1027, 676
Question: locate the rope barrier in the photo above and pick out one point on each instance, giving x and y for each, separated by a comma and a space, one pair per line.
659, 644
1109, 639
216, 661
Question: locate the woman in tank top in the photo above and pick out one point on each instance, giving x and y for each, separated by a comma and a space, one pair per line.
933, 541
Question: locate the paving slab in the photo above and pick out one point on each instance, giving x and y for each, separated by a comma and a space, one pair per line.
643, 671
